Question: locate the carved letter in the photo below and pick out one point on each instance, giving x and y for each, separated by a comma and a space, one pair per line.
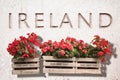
101, 17
51, 18
10, 20
23, 20
68, 20
37, 20
88, 23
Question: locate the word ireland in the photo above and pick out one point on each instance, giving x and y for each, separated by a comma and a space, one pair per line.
59, 20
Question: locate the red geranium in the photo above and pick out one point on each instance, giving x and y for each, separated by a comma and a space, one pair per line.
68, 47
100, 53
51, 48
62, 52
23, 47
103, 47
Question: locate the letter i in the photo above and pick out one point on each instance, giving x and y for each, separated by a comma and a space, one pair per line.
10, 20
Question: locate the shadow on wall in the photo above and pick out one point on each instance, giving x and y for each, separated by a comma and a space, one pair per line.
103, 68
40, 38
108, 62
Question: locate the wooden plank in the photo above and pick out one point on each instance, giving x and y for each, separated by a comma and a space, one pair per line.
28, 66
62, 59
25, 65
27, 60
87, 59
88, 71
87, 65
22, 72
59, 64
52, 70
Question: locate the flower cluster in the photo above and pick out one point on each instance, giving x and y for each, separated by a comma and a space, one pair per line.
70, 47
79, 47
24, 47
102, 47
58, 49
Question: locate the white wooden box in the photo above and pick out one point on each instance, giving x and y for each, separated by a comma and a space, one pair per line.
55, 65
26, 67
71, 65
88, 66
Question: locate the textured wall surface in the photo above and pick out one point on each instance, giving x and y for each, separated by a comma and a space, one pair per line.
58, 8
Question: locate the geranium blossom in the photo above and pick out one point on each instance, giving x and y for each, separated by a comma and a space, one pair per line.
103, 46
23, 47
62, 52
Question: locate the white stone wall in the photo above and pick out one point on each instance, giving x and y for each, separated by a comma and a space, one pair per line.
58, 8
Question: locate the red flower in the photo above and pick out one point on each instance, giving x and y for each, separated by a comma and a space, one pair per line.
103, 60
106, 50
23, 47
49, 48
13, 47
73, 39
32, 50
22, 38
44, 50
62, 45
56, 45
37, 43
70, 39
100, 53
84, 51
80, 47
62, 52
25, 55
103, 45
97, 36
81, 42
96, 43
49, 41
103, 42
69, 46
33, 39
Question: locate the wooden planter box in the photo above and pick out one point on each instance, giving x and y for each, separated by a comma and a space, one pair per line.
88, 66
55, 65
26, 67
71, 65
